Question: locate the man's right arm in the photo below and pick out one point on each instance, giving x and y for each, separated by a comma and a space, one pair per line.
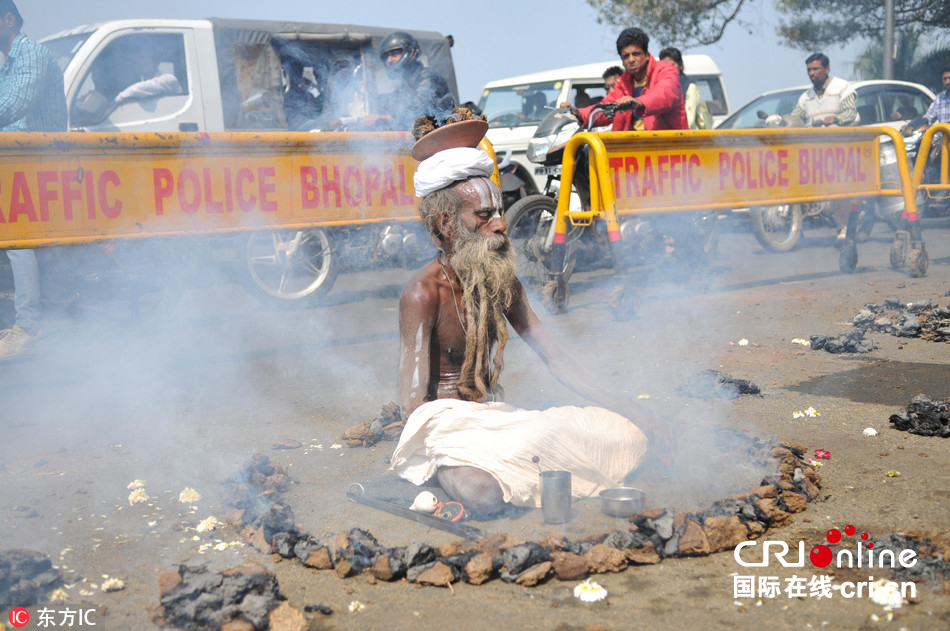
418, 310
162, 85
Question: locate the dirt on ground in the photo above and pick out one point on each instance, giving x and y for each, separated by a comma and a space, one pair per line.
189, 402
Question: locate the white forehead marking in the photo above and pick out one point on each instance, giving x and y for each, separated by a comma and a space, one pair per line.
489, 195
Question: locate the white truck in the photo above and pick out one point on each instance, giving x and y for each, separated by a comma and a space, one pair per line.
233, 75
221, 75
514, 107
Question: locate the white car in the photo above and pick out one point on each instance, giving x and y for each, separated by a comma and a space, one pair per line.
890, 103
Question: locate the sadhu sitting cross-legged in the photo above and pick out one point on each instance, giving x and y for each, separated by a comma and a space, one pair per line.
453, 320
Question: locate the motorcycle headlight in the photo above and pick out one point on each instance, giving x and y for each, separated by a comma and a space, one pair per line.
537, 150
888, 155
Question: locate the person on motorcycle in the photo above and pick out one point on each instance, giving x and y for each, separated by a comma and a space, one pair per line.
651, 87
829, 102
420, 91
691, 99
610, 77
939, 110
453, 328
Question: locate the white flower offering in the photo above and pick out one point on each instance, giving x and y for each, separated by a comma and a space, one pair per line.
590, 592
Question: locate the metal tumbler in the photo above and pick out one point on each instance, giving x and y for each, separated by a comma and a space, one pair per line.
556, 496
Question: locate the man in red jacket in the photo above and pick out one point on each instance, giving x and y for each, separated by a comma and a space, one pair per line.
652, 87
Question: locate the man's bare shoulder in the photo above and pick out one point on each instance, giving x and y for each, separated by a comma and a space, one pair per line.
422, 288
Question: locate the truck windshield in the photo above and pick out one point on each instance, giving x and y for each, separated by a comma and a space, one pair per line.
63, 48
519, 105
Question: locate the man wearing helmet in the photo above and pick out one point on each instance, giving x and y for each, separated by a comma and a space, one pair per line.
420, 91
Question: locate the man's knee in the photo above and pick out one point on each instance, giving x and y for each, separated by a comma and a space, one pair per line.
475, 488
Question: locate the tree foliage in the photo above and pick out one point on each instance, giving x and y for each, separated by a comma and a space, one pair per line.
814, 24
805, 24
682, 23
913, 62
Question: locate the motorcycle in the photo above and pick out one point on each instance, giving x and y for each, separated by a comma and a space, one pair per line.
145, 278
689, 238
780, 227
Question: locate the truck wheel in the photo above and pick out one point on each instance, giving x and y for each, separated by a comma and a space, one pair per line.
288, 267
777, 228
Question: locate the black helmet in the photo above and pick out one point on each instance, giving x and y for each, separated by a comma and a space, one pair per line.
399, 40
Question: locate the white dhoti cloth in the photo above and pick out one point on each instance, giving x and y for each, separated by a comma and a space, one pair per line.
597, 446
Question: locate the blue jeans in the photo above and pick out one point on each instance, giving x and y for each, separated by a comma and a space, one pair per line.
26, 289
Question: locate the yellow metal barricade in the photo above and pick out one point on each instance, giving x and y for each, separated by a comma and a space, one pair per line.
72, 188
674, 171
933, 189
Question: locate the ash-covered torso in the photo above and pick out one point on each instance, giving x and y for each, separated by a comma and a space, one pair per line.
447, 336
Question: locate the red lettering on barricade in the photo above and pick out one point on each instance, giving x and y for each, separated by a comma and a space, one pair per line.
228, 190
649, 181
266, 186
352, 192
163, 182
676, 171
69, 194
21, 201
331, 186
632, 167
211, 206
370, 183
43, 180
404, 197
246, 204
662, 162
389, 187
309, 191
695, 184
192, 204
782, 167
725, 167
110, 210
853, 167
90, 180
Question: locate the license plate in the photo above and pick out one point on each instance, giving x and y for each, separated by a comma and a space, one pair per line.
555, 170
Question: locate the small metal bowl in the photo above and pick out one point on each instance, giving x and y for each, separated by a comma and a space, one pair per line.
622, 501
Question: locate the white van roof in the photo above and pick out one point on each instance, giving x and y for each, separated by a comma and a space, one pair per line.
694, 65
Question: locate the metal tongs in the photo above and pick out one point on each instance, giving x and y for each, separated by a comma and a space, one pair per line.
356, 493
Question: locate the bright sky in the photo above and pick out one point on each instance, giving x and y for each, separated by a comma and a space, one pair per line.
494, 39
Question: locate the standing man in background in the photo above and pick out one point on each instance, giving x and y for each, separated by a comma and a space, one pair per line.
32, 98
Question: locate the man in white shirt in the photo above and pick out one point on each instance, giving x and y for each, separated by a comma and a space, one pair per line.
831, 100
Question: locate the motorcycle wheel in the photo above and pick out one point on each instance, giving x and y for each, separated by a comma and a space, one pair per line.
778, 228
288, 267
528, 223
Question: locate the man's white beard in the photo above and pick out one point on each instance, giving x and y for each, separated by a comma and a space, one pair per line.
485, 267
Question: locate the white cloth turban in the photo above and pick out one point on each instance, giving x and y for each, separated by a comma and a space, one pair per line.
449, 166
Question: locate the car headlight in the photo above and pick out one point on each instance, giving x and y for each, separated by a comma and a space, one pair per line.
888, 154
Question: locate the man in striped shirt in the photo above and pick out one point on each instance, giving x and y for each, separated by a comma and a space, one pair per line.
31, 99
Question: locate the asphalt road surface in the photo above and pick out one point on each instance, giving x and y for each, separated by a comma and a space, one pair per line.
183, 397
